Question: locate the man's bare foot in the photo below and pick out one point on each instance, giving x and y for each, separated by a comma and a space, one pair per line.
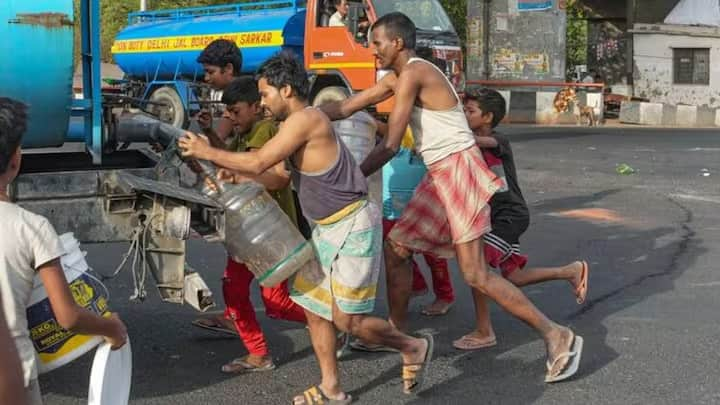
558, 342
437, 308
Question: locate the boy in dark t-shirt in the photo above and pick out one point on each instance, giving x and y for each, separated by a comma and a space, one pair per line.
510, 217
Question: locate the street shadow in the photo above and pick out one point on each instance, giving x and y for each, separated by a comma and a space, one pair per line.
630, 263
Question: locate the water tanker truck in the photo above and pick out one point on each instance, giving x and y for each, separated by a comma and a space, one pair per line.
105, 191
158, 49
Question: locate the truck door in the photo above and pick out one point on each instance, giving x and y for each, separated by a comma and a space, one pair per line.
333, 49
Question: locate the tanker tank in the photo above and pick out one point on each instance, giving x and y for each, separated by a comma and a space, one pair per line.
164, 44
37, 65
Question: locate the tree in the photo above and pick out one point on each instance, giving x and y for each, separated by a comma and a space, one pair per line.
576, 37
457, 11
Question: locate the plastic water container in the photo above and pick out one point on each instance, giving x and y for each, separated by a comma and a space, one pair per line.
401, 176
259, 234
54, 345
358, 134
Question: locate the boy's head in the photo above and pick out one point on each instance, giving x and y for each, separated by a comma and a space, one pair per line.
242, 101
222, 61
13, 121
484, 108
392, 34
281, 78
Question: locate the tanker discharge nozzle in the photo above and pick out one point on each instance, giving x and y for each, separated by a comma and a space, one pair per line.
139, 127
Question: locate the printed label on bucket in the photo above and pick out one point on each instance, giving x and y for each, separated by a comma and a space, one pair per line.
51, 341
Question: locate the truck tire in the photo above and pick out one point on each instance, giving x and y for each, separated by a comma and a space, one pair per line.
173, 112
329, 94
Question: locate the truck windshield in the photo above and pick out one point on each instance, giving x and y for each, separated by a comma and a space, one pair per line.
428, 15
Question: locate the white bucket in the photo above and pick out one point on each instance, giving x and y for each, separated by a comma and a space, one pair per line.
54, 345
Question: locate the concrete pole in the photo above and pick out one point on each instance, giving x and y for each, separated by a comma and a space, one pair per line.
630, 18
143, 5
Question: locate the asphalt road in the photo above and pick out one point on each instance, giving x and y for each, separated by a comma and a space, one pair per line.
650, 323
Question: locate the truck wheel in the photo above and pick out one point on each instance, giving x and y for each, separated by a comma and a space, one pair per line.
173, 111
330, 94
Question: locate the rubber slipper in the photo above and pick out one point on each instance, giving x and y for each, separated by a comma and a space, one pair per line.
582, 288
572, 365
441, 312
470, 342
213, 325
241, 366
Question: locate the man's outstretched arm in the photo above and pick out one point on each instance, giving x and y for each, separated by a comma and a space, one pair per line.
406, 92
381, 91
291, 136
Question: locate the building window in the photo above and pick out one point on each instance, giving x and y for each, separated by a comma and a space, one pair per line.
692, 65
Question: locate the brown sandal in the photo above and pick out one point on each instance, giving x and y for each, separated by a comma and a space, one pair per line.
413, 375
315, 396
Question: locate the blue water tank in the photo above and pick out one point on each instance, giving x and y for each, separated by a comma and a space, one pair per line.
37, 65
164, 44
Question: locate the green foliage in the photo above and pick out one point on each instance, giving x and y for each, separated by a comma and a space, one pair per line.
457, 10
576, 37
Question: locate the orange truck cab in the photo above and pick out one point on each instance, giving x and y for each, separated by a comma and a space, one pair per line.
343, 57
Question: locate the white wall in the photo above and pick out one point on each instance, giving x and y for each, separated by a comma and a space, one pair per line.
654, 69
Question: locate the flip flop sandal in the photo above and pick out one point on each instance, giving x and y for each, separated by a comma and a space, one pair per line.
414, 374
364, 347
213, 325
315, 396
441, 312
469, 342
572, 365
581, 290
241, 366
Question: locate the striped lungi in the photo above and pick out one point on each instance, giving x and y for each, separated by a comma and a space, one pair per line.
349, 254
450, 206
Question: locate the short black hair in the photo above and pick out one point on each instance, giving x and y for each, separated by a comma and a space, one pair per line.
219, 53
241, 89
13, 123
285, 69
398, 25
489, 100
336, 2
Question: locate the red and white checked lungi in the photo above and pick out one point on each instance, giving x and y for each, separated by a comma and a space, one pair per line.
450, 206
